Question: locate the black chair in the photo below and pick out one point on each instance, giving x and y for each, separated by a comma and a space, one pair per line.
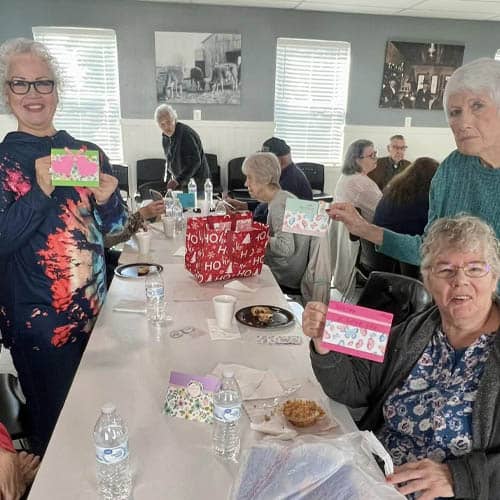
214, 167
150, 169
143, 189
121, 173
315, 173
236, 179
394, 293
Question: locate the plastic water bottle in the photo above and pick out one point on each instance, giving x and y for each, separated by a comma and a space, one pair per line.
169, 204
209, 193
193, 188
155, 299
227, 413
114, 480
178, 213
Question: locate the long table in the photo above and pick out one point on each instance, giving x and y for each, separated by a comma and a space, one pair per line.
128, 362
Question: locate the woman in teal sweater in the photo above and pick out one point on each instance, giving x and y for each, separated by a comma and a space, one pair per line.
468, 180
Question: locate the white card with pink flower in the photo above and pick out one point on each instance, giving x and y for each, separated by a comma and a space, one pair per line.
306, 217
74, 167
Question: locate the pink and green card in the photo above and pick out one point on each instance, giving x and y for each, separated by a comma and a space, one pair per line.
74, 167
358, 331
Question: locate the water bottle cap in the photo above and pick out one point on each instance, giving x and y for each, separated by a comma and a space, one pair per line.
108, 408
227, 373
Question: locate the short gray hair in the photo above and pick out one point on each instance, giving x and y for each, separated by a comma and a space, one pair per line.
478, 76
264, 166
463, 233
353, 153
18, 46
165, 110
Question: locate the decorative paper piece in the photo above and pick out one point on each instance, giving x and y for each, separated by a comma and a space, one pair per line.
279, 339
357, 331
187, 200
72, 167
191, 396
217, 333
305, 217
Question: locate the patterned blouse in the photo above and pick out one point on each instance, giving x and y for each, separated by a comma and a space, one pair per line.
430, 414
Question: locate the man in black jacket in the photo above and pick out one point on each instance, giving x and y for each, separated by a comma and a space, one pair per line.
183, 151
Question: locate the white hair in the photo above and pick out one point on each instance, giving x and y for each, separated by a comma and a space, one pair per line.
264, 166
165, 110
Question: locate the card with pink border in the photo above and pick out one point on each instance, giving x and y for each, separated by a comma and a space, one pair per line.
358, 331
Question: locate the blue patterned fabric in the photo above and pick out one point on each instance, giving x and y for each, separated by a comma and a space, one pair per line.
430, 415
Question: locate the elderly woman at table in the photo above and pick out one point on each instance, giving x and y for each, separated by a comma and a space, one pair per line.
468, 180
51, 247
433, 402
286, 253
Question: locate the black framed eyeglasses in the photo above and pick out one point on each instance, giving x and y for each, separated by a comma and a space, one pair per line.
21, 87
471, 269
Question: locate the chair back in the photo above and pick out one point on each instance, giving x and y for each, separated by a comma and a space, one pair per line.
121, 173
11, 407
235, 177
394, 293
315, 173
150, 169
214, 167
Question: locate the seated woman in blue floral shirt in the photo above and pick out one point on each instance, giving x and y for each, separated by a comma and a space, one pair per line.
433, 402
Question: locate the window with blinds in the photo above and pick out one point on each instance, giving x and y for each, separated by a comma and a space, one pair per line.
310, 97
89, 106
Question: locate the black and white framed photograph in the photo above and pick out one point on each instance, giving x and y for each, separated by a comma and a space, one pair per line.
415, 74
198, 68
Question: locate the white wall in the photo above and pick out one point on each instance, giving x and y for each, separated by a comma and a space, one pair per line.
142, 139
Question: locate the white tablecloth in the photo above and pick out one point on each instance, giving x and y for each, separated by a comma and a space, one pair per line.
128, 362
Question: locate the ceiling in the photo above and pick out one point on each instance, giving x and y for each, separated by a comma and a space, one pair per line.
480, 10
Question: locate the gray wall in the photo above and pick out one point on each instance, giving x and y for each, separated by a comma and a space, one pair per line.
135, 23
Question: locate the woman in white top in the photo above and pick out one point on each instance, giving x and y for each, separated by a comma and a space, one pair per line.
354, 185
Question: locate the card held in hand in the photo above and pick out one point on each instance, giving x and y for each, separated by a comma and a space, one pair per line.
358, 331
305, 217
74, 167
191, 397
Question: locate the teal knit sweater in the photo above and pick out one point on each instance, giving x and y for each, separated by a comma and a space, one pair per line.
461, 185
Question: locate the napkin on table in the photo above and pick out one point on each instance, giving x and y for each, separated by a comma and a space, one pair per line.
217, 333
130, 306
238, 286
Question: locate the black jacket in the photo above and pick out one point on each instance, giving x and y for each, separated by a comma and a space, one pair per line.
185, 156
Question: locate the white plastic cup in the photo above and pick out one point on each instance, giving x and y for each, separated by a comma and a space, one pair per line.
143, 242
224, 310
168, 226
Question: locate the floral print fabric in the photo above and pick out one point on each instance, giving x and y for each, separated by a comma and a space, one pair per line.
430, 415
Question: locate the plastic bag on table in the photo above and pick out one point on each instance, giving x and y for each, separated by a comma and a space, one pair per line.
314, 468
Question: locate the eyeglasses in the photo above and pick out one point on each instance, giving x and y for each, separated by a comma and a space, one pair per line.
371, 155
399, 148
22, 87
471, 269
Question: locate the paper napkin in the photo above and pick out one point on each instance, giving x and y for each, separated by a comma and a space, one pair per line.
217, 333
238, 286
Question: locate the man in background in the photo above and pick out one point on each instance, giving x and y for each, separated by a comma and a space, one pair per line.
292, 179
388, 166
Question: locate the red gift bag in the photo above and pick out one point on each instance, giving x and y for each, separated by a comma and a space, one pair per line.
221, 247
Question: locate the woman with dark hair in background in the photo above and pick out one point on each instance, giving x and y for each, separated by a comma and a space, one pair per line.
405, 205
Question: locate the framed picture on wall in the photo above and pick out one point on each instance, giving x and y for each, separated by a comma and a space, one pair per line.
198, 68
415, 74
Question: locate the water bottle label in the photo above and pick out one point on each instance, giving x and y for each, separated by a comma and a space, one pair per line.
156, 292
110, 456
227, 414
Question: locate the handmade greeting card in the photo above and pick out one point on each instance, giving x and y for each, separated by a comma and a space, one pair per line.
357, 331
74, 167
191, 396
305, 217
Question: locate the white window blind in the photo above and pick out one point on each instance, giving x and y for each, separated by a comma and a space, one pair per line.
310, 97
89, 106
